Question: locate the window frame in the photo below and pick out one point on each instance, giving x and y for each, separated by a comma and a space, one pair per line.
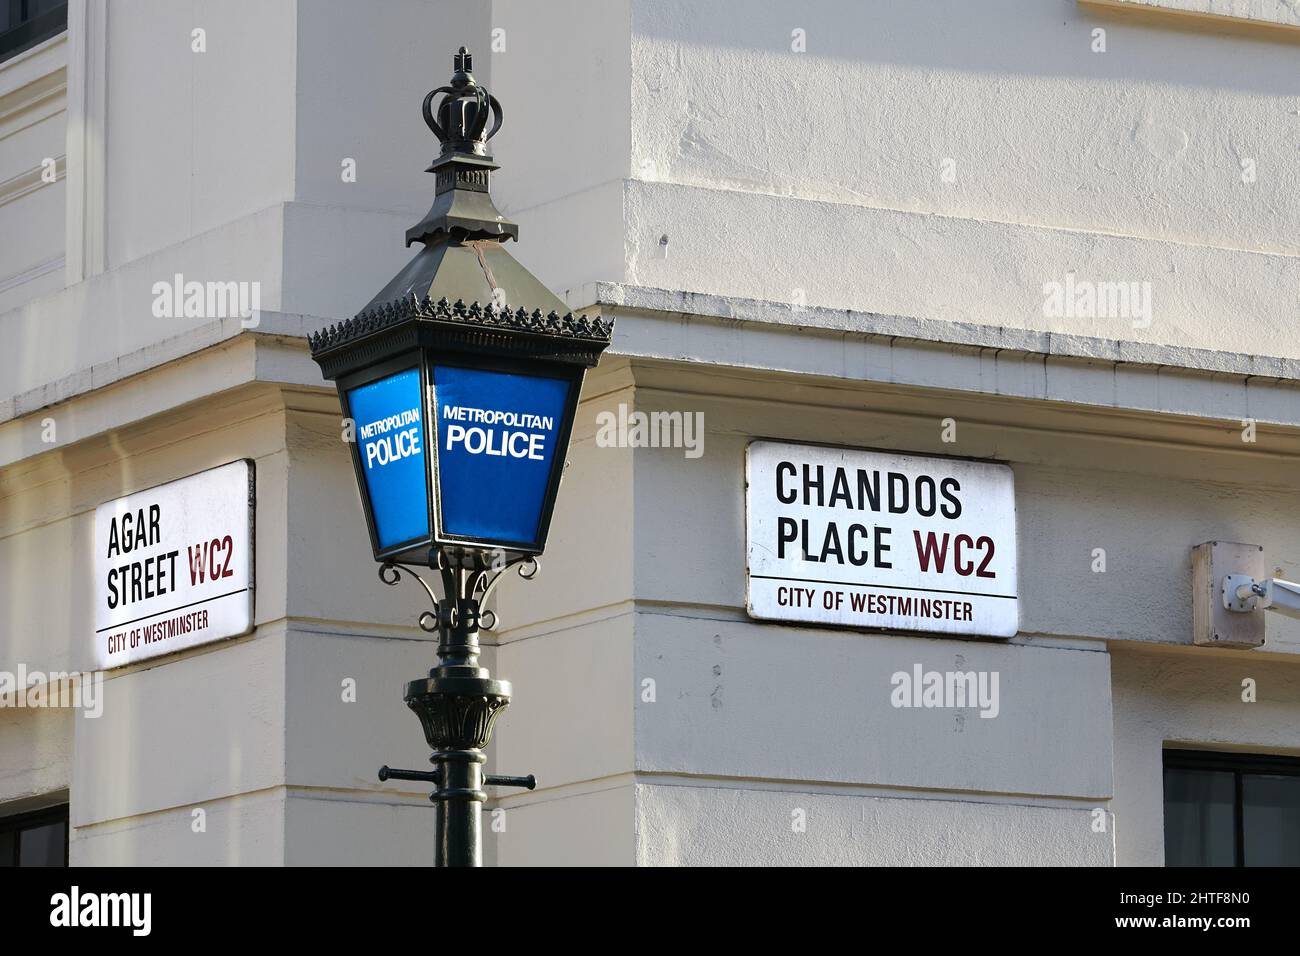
1238, 764
18, 822
32, 31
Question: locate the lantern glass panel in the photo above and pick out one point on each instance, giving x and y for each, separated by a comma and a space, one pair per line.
498, 437
390, 446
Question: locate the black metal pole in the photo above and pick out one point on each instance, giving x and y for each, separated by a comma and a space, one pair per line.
461, 702
458, 704
459, 833
460, 790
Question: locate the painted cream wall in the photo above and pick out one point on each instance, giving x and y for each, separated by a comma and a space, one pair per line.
219, 147
36, 768
568, 150
33, 118
1189, 700
816, 176
360, 77
753, 722
228, 171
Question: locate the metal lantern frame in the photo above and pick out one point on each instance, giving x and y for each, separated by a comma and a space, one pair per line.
425, 335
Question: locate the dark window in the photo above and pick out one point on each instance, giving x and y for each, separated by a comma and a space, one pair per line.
25, 23
1231, 809
35, 839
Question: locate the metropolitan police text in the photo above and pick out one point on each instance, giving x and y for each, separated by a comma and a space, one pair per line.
522, 434
381, 447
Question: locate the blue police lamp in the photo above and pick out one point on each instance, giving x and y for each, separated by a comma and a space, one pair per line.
461, 380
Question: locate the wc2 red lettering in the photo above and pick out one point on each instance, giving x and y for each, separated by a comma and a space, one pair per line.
933, 549
206, 560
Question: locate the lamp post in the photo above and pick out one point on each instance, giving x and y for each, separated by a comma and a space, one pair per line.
461, 378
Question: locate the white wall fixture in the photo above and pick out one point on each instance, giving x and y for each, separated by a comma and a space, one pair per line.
1220, 569
1243, 594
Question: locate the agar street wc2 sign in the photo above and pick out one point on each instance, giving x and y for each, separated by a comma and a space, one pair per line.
880, 540
174, 566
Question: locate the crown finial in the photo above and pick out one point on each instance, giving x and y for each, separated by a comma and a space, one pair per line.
462, 208
462, 114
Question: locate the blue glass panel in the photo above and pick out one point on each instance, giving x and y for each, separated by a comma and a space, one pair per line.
497, 438
388, 416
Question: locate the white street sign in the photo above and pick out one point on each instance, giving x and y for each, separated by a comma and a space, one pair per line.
174, 566
880, 540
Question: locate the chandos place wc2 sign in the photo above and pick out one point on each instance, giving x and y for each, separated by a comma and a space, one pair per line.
880, 540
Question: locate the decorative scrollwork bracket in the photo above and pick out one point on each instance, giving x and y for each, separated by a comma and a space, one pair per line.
464, 590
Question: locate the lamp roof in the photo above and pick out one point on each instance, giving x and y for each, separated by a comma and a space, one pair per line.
463, 290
